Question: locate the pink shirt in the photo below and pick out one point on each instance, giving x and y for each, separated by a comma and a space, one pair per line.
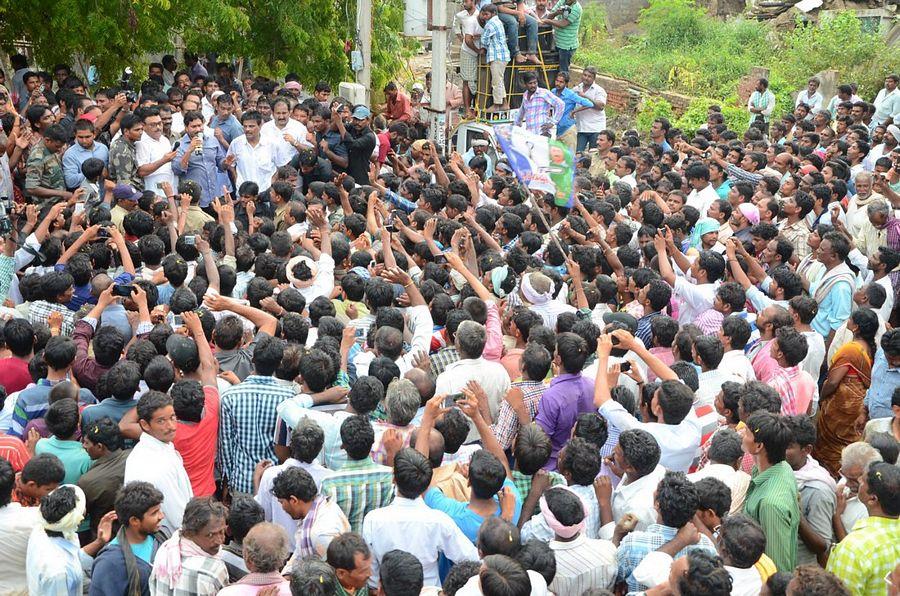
493, 346
796, 388
763, 364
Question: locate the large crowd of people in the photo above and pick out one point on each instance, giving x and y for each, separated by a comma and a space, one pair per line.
256, 341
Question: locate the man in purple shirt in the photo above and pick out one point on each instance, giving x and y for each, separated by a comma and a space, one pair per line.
569, 394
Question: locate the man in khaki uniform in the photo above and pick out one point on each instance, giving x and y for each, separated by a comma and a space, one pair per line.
44, 180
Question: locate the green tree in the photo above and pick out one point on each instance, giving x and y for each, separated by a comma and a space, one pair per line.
110, 34
276, 36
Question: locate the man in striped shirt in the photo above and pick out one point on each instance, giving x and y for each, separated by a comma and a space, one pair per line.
772, 497
361, 485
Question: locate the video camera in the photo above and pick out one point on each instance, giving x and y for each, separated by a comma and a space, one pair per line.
125, 85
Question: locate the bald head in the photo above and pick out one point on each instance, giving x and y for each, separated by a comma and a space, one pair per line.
265, 547
783, 162
423, 382
435, 446
99, 284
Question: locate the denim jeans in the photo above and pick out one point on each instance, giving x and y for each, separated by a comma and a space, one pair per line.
586, 140
511, 27
565, 59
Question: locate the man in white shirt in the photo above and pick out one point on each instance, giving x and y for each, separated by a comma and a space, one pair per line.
286, 134
409, 524
811, 97
254, 154
708, 353
678, 428
471, 366
16, 524
155, 154
389, 341
155, 460
887, 102
306, 442
592, 121
725, 455
636, 459
695, 296
467, 29
702, 194
734, 334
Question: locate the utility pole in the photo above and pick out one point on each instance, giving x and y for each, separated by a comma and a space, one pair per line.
438, 106
364, 28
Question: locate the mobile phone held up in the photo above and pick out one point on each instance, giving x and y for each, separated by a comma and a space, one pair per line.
450, 400
123, 290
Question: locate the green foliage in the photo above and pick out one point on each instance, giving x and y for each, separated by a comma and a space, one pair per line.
652, 108
276, 36
682, 49
110, 34
671, 24
837, 42
735, 117
593, 23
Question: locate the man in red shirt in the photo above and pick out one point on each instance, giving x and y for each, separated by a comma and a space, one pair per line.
398, 107
19, 336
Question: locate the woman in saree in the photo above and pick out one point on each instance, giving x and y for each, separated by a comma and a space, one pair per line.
841, 401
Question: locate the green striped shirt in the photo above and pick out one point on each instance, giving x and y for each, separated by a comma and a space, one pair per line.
772, 501
358, 488
567, 37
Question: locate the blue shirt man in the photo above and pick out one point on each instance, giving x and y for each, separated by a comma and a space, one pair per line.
571, 100
885, 378
202, 168
77, 154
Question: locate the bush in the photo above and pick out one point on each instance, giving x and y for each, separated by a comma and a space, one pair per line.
682, 49
837, 42
650, 109
695, 116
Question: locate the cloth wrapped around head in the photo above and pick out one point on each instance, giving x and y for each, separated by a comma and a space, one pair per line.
537, 288
560, 528
301, 271
68, 524
498, 276
704, 226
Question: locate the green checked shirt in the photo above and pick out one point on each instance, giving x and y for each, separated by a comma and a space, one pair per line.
772, 501
359, 487
523, 484
868, 553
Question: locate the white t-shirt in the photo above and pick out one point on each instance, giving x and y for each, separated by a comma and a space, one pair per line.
149, 151
471, 27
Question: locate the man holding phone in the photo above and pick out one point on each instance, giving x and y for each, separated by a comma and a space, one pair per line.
154, 154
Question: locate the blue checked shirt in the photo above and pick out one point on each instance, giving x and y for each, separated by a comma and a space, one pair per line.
246, 427
493, 39
638, 545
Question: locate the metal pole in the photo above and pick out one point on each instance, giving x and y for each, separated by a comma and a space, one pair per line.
438, 105
364, 27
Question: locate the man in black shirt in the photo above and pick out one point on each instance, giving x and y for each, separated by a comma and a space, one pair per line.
360, 142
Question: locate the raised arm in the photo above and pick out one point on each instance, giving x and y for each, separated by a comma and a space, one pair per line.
209, 264
119, 241
456, 262
263, 320
665, 266
88, 235
472, 407
659, 368
208, 364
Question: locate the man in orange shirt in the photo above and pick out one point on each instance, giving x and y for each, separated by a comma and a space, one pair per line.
398, 107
